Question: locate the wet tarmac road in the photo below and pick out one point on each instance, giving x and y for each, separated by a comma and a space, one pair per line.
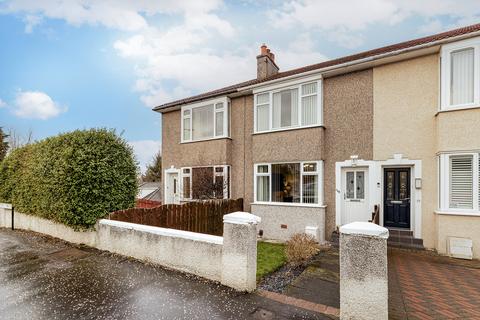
45, 278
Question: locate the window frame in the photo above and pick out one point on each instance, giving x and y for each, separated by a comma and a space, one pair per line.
226, 119
189, 176
276, 89
319, 173
226, 172
446, 73
444, 185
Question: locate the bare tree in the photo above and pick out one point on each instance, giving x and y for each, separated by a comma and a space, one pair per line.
154, 169
4, 145
210, 183
17, 139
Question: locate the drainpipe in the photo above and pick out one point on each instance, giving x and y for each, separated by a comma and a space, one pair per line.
13, 214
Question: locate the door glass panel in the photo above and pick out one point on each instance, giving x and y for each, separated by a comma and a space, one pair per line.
350, 185
174, 185
390, 178
360, 185
403, 191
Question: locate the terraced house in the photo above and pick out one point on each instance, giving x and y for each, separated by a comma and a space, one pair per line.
316, 147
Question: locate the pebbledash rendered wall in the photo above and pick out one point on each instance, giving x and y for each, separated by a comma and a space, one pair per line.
230, 260
280, 222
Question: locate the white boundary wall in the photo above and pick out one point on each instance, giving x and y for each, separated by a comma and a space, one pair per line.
233, 263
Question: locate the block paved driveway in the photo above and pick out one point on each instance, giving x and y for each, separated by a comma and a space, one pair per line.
426, 286
45, 278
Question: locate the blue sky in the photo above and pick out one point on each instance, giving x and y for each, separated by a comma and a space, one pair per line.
66, 65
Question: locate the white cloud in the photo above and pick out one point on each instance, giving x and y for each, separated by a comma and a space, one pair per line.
2, 103
343, 21
126, 15
300, 52
36, 105
31, 21
144, 151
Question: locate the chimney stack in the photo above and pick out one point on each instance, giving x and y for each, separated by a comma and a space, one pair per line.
266, 65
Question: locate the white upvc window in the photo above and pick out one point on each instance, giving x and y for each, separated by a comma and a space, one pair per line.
294, 183
186, 183
290, 107
460, 75
205, 120
460, 182
205, 182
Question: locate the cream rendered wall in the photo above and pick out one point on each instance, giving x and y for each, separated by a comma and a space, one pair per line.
405, 101
458, 131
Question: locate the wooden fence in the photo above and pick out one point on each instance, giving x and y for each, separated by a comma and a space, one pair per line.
202, 217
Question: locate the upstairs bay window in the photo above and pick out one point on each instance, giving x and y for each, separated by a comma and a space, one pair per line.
294, 107
461, 75
204, 121
460, 182
295, 183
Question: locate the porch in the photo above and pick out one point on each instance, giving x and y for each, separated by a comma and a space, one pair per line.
386, 192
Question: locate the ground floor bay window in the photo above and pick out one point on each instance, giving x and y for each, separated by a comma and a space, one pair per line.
203, 183
460, 183
292, 182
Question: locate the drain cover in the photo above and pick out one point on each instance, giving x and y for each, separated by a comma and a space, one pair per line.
263, 314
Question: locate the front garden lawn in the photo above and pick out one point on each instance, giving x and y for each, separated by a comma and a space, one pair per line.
270, 257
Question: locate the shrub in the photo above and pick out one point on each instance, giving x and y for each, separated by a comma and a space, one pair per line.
73, 178
301, 247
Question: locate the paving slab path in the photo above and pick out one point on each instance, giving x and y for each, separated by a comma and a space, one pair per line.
46, 278
423, 285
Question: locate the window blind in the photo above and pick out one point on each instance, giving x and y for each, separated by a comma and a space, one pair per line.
202, 122
462, 76
309, 104
461, 182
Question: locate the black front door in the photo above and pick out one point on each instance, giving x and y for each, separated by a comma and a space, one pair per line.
396, 207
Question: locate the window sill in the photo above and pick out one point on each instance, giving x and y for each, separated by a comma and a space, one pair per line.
289, 129
289, 204
460, 108
450, 212
208, 139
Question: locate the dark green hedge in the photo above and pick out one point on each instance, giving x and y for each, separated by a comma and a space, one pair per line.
73, 178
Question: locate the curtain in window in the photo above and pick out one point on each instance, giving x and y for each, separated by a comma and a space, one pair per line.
262, 117
186, 129
219, 123
263, 188
285, 108
277, 110
286, 182
310, 189
461, 82
309, 110
202, 122
461, 182
294, 108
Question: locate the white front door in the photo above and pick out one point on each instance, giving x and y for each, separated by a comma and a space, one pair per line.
355, 195
172, 188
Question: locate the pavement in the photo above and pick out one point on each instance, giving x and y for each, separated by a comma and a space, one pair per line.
320, 281
46, 278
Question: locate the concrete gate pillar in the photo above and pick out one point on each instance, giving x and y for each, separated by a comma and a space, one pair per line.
239, 255
363, 271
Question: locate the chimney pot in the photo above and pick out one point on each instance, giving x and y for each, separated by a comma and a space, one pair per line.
263, 50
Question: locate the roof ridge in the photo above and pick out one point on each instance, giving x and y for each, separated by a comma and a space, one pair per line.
349, 58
